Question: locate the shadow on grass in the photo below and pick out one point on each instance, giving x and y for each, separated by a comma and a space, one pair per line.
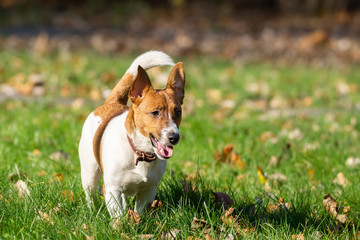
197, 198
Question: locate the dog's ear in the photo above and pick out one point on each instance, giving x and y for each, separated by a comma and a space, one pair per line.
140, 85
176, 81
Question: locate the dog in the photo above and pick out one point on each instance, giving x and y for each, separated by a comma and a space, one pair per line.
130, 146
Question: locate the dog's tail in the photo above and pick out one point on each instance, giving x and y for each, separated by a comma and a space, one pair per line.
147, 60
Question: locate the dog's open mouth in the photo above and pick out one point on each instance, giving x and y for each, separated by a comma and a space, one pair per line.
162, 150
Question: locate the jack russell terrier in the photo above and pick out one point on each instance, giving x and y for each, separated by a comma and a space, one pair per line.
129, 146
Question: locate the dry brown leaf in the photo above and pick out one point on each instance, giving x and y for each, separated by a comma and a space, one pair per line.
46, 217
200, 224
273, 161
277, 178
156, 204
172, 234
213, 95
228, 155
58, 176
298, 237
277, 207
42, 173
311, 173
133, 217
341, 180
266, 135
58, 156
116, 223
241, 177
77, 103
145, 236
352, 162
69, 195
330, 205
208, 237
273, 208
22, 188
222, 199
36, 152
230, 220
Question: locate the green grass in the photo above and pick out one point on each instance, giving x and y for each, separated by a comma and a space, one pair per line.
33, 128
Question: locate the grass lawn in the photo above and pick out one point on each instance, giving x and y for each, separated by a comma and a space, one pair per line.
275, 139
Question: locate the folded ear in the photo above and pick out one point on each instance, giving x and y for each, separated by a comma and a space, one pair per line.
176, 81
140, 85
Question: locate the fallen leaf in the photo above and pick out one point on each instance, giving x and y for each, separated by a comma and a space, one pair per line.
58, 176
156, 204
42, 173
342, 87
330, 205
133, 217
352, 162
77, 103
341, 180
311, 173
261, 175
200, 224
36, 152
228, 155
222, 199
59, 155
273, 161
277, 178
69, 195
22, 188
145, 236
46, 217
267, 135
214, 95
230, 220
279, 206
172, 234
298, 236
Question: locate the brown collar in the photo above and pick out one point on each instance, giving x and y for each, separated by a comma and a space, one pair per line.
141, 156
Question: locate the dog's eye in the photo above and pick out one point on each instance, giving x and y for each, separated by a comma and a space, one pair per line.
155, 113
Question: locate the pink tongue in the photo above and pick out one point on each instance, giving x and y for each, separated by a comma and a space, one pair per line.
164, 150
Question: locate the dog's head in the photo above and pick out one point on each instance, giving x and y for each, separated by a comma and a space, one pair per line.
157, 113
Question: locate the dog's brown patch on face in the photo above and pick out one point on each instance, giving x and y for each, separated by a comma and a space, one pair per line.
156, 111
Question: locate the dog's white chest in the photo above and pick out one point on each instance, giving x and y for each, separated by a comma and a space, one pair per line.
118, 161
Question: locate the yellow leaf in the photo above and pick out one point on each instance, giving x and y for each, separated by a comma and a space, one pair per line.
261, 175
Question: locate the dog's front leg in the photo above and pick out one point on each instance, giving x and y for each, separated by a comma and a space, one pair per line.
115, 201
144, 198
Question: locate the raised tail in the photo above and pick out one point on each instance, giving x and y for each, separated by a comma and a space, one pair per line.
146, 60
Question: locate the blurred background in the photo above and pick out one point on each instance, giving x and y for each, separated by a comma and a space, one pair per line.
319, 32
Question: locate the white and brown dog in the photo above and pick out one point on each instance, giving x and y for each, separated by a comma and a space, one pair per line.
130, 146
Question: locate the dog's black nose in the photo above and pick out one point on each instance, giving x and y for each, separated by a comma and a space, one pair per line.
174, 138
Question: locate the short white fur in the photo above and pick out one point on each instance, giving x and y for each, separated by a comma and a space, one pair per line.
121, 176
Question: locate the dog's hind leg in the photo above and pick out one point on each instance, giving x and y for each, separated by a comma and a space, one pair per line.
90, 180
